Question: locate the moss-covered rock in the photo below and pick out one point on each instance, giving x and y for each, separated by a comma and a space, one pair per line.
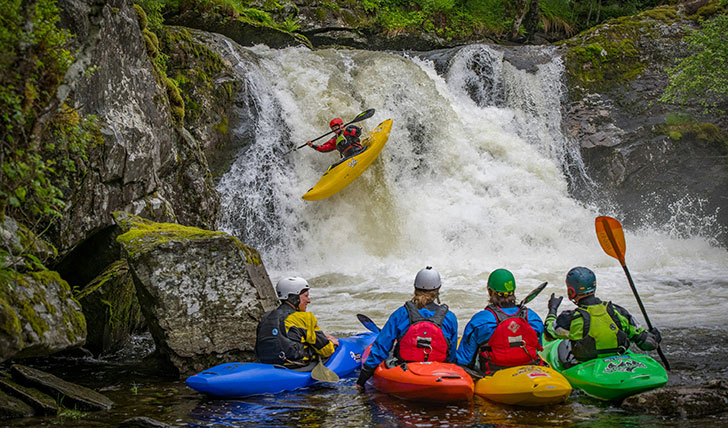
38, 315
111, 308
641, 153
202, 292
614, 52
209, 93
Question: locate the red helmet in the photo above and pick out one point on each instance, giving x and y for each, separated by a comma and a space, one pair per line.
335, 121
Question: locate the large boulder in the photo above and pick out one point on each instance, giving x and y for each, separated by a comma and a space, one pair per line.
202, 292
38, 315
147, 163
652, 160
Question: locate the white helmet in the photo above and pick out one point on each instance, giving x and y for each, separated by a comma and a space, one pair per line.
291, 285
427, 279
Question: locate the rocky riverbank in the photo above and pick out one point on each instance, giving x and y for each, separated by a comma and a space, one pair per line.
95, 278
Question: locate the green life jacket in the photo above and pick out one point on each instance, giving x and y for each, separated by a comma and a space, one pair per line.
601, 333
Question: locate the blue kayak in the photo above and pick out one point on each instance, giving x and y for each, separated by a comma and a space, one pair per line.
243, 379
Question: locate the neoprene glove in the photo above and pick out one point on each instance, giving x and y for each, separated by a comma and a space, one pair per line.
554, 303
364, 375
646, 341
655, 332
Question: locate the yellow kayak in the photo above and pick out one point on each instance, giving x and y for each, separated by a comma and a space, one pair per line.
340, 174
524, 386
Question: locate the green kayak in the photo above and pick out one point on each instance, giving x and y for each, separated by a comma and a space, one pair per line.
609, 378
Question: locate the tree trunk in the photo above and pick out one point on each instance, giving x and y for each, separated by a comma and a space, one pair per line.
521, 8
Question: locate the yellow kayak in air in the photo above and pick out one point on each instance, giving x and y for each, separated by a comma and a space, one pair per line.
340, 174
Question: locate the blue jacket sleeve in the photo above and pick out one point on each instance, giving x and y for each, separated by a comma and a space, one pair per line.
477, 331
385, 340
535, 322
450, 329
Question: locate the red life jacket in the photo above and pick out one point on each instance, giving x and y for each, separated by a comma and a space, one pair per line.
513, 342
424, 339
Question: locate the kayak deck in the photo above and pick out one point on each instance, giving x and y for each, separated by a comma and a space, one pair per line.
610, 378
342, 173
245, 379
424, 381
524, 386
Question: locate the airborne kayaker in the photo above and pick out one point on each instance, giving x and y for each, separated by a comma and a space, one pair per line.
421, 330
595, 328
503, 334
345, 140
288, 335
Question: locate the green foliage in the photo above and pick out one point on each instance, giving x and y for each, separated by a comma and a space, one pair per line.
679, 125
291, 24
74, 414
153, 11
702, 76
44, 144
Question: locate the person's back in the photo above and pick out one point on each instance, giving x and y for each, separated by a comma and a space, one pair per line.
403, 336
503, 334
289, 335
595, 328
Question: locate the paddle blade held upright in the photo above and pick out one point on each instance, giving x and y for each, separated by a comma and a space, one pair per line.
611, 237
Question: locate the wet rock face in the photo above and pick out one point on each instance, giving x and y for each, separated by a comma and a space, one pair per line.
147, 164
38, 316
202, 292
682, 401
641, 153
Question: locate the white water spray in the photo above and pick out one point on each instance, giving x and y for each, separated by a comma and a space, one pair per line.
466, 185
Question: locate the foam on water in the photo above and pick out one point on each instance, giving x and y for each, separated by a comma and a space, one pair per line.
465, 184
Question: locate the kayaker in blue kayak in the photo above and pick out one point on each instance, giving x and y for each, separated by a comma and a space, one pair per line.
421, 330
503, 334
595, 328
288, 335
345, 140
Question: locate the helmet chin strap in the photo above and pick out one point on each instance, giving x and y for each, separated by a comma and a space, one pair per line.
294, 299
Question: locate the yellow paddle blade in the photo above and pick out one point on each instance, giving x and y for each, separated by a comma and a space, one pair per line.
611, 237
323, 373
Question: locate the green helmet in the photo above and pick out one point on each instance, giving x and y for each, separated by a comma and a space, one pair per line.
502, 281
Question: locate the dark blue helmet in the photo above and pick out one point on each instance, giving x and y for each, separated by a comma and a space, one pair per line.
580, 281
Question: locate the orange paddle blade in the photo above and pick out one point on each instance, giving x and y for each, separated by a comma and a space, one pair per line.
611, 237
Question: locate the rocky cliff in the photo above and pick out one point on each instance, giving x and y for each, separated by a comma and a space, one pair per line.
658, 164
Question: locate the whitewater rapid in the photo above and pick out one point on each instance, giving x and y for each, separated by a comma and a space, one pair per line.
474, 177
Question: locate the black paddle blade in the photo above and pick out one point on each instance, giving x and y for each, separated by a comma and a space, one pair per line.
363, 115
368, 323
532, 295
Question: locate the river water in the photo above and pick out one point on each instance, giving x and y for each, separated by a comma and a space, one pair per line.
475, 177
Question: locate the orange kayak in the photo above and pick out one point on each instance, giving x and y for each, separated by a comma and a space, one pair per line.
425, 381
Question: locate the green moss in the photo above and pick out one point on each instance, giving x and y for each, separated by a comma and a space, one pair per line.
666, 14
143, 235
141, 17
151, 42
9, 321
678, 126
609, 55
114, 270
30, 315
222, 127
175, 99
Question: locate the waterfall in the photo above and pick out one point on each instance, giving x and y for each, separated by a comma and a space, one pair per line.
474, 177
